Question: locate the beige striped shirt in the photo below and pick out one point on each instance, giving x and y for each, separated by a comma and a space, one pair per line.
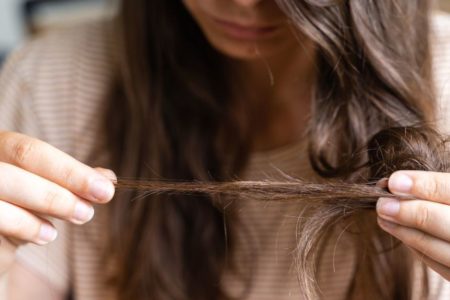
54, 88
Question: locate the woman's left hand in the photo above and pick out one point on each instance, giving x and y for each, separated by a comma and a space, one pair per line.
423, 223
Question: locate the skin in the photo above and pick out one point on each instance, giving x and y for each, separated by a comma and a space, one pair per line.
63, 188
422, 223
276, 69
274, 73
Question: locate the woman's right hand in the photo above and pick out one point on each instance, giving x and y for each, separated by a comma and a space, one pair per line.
38, 180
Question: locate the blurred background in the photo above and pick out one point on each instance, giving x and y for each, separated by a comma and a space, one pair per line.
22, 18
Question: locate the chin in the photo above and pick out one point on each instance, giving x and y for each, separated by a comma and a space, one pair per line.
245, 50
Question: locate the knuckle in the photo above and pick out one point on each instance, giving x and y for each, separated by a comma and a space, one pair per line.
428, 187
418, 240
51, 202
22, 149
58, 204
433, 187
422, 218
442, 188
68, 174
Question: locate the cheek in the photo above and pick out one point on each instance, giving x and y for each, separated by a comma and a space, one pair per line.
189, 4
197, 8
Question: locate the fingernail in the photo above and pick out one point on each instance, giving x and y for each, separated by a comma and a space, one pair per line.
382, 183
399, 182
107, 173
102, 189
386, 224
83, 213
388, 206
47, 234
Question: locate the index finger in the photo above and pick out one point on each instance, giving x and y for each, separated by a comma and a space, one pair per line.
52, 164
427, 185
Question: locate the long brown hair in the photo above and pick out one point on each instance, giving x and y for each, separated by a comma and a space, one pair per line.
171, 117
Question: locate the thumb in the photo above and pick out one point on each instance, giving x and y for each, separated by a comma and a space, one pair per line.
382, 183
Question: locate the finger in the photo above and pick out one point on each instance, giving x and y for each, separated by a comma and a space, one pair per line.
107, 173
432, 264
18, 223
48, 162
427, 216
433, 247
434, 186
382, 183
27, 190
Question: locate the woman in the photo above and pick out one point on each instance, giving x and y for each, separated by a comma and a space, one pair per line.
211, 90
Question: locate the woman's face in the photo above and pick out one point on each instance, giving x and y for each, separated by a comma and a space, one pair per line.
243, 29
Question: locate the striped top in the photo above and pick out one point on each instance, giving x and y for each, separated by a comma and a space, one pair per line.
54, 88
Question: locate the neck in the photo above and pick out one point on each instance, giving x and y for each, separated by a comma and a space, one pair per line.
274, 95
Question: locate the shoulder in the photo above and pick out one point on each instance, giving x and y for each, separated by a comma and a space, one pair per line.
440, 22
440, 50
440, 44
59, 50
64, 76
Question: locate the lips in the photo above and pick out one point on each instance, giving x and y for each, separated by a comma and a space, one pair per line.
245, 32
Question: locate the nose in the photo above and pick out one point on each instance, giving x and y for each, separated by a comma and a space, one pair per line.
247, 3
